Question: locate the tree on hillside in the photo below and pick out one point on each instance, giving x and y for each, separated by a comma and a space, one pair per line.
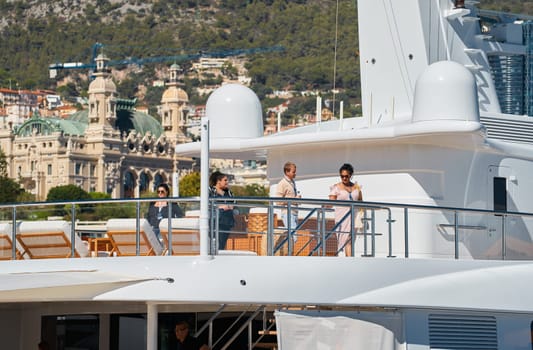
250, 190
3, 164
190, 185
67, 193
105, 211
9, 189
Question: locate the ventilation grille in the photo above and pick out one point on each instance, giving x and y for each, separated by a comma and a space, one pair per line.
514, 130
456, 332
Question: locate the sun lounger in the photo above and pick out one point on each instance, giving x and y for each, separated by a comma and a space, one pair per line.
49, 239
123, 234
185, 235
6, 245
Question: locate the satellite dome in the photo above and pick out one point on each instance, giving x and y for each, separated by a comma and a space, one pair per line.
446, 90
234, 111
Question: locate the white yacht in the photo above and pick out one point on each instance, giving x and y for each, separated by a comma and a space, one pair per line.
444, 155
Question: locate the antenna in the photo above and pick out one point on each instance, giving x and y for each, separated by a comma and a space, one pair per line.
335, 56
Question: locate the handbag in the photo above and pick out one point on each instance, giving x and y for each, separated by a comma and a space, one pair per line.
358, 222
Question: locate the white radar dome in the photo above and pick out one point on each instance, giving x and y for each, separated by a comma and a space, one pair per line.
446, 90
234, 111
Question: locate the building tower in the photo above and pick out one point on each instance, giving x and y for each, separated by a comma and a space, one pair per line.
102, 98
102, 136
173, 103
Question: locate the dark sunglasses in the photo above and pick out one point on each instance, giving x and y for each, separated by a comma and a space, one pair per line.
345, 176
161, 191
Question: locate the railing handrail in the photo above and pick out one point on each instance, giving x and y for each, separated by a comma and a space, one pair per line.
312, 207
364, 204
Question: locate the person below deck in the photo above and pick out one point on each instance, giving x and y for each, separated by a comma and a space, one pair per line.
159, 210
286, 188
345, 190
185, 341
218, 187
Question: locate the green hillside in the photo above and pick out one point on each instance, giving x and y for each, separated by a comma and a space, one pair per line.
35, 33
31, 39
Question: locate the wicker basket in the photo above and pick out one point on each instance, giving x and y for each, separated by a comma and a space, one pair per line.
258, 222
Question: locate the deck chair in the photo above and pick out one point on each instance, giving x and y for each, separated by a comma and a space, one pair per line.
123, 233
185, 235
6, 245
49, 239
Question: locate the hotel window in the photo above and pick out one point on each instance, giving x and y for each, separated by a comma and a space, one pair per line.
93, 169
77, 169
49, 169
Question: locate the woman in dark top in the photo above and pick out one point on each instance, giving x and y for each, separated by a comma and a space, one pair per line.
159, 210
218, 187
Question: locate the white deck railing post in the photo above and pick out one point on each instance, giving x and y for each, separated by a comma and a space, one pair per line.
204, 187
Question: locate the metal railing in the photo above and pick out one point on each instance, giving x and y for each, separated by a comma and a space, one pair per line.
390, 229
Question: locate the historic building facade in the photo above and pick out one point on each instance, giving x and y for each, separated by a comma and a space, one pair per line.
108, 148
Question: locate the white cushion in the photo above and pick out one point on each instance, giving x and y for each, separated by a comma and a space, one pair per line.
181, 224
5, 229
192, 214
258, 210
237, 252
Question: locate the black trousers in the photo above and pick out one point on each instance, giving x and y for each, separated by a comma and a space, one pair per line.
223, 234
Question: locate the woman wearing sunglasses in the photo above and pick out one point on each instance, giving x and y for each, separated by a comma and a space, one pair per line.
345, 190
159, 210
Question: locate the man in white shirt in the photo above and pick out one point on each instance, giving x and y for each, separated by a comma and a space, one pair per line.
286, 188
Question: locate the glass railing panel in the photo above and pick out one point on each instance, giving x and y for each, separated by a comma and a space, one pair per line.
466, 233
46, 231
423, 233
6, 233
176, 225
254, 229
518, 237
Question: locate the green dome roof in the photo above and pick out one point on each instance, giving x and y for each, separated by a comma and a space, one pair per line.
126, 121
47, 126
